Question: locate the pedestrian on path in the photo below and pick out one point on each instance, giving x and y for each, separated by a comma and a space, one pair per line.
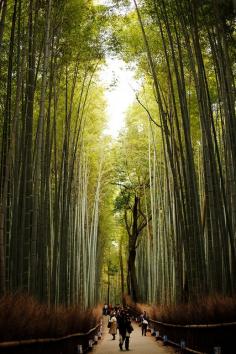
144, 327
105, 310
113, 325
125, 328
143, 316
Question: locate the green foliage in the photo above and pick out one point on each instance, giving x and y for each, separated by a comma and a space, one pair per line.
122, 200
80, 32
58, 143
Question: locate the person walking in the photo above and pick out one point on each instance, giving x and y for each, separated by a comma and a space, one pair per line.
125, 328
105, 310
144, 327
113, 325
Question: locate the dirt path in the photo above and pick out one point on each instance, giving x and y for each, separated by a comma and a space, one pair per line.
138, 344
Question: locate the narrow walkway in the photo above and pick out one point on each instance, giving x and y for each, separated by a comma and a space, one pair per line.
138, 344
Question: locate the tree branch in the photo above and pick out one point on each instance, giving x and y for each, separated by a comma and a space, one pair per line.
149, 114
142, 226
121, 185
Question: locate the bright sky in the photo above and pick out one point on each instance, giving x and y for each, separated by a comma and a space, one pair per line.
102, 2
121, 87
108, 2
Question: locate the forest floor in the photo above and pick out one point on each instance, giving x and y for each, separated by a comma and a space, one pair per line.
138, 344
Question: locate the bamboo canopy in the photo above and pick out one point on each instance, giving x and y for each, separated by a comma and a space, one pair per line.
85, 219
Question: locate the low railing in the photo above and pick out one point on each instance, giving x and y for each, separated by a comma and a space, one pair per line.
199, 339
77, 343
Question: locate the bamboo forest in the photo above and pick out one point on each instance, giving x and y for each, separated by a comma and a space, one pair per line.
117, 174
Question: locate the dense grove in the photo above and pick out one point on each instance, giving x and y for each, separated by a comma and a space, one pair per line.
85, 219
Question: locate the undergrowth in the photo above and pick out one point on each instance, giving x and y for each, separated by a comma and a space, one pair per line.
22, 317
208, 310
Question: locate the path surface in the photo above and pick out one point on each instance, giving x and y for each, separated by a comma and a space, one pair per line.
138, 344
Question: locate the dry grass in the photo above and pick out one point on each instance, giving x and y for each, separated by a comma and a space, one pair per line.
212, 309
22, 317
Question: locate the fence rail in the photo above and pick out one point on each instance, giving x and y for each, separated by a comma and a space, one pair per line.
76, 343
195, 338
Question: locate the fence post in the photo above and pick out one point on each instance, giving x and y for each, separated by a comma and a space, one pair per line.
79, 349
165, 339
90, 344
182, 345
157, 334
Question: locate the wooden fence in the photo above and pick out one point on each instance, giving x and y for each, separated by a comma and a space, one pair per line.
77, 343
208, 338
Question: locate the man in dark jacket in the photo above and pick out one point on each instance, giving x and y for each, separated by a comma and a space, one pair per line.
125, 328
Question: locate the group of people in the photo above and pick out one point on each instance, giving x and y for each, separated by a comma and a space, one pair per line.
120, 320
